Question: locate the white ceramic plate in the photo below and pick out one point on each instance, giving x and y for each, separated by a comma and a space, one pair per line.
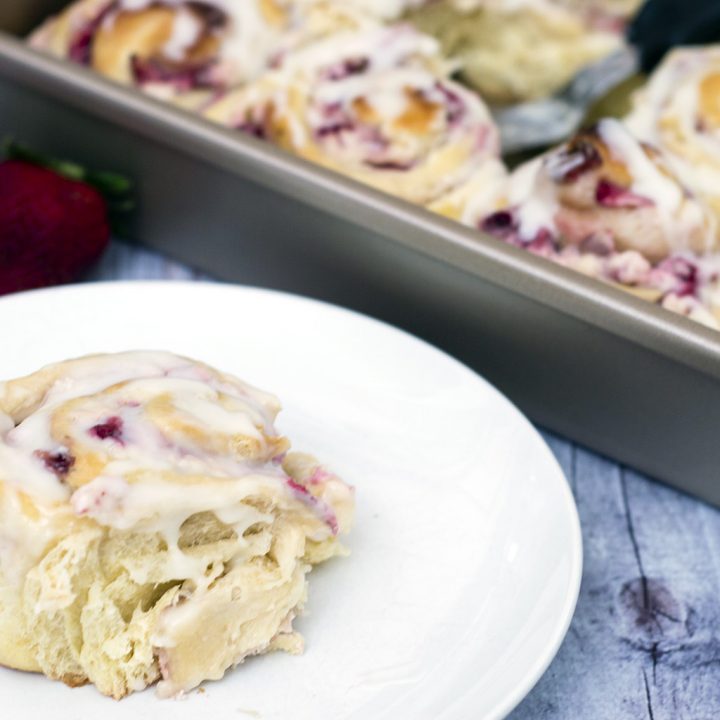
466, 557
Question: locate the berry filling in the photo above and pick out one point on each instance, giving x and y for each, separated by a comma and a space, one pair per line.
335, 128
610, 195
254, 129
600, 244
111, 429
454, 105
319, 476
504, 226
335, 121
570, 164
500, 225
346, 68
543, 243
394, 165
212, 17
322, 508
182, 76
257, 123
340, 127
58, 462
685, 274
80, 50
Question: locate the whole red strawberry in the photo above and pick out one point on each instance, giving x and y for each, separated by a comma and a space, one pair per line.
51, 227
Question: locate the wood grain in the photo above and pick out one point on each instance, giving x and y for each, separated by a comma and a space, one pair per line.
645, 640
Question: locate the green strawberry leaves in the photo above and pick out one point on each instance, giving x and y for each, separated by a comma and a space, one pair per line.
117, 190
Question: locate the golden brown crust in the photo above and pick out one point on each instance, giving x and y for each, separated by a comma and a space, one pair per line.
75, 681
132, 34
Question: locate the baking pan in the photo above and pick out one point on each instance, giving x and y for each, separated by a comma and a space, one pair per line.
618, 375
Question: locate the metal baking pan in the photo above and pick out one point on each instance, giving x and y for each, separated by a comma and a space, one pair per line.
618, 375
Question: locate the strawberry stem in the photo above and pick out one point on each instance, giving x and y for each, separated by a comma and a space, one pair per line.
115, 189
110, 185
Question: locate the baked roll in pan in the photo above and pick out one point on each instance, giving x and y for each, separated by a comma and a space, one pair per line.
375, 105
610, 206
679, 112
187, 51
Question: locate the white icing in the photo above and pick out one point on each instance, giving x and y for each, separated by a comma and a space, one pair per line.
26, 472
534, 198
195, 401
505, 5
251, 41
115, 502
385, 48
135, 5
386, 9
187, 29
23, 539
385, 89
629, 267
163, 507
89, 378
648, 180
482, 194
6, 422
201, 406
250, 412
667, 113
159, 412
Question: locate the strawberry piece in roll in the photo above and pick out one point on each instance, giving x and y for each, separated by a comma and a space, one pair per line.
376, 105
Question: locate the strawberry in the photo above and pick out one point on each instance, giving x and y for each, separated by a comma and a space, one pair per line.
53, 224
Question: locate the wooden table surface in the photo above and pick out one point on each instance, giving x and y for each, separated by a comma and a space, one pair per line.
645, 640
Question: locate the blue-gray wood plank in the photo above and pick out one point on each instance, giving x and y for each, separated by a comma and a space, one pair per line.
645, 640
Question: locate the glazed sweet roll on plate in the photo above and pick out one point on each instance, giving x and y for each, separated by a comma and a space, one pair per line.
153, 525
376, 105
679, 112
186, 50
610, 206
